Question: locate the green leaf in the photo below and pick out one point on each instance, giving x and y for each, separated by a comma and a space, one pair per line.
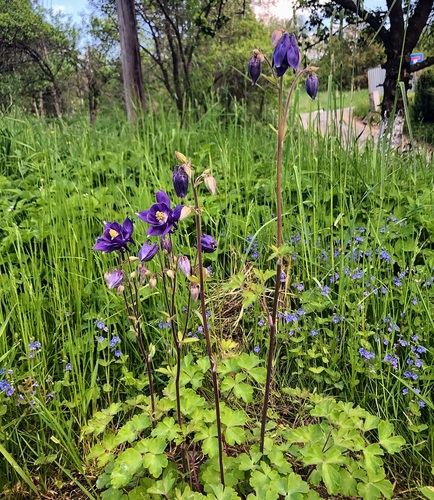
372, 462
155, 463
371, 422
244, 392
427, 492
126, 465
331, 478
348, 483
164, 486
167, 429
279, 460
292, 486
221, 493
392, 444
261, 482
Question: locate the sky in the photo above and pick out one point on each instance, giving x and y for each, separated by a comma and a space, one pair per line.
282, 9
69, 7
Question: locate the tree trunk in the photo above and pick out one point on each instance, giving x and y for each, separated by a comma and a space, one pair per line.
130, 56
392, 109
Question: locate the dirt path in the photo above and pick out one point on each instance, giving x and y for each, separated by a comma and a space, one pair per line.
342, 124
349, 129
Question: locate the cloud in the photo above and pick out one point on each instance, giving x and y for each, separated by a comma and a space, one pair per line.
59, 8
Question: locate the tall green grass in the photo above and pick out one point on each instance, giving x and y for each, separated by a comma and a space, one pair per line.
60, 180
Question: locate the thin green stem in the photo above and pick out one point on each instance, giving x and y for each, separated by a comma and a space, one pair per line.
212, 360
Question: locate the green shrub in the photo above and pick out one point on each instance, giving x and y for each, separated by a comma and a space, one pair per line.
424, 98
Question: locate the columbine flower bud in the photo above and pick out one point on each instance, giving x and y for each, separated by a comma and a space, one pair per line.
185, 212
254, 66
152, 282
312, 85
151, 352
208, 243
114, 278
194, 291
180, 157
141, 273
166, 245
210, 183
184, 265
170, 273
148, 251
180, 181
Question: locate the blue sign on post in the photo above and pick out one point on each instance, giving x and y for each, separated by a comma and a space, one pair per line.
416, 58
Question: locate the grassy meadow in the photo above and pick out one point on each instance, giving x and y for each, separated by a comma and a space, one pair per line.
356, 308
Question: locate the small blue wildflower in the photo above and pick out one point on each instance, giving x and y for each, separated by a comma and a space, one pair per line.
68, 367
385, 342
385, 256
397, 281
100, 325
421, 349
335, 320
384, 290
366, 355
418, 363
300, 311
118, 353
256, 349
261, 323
314, 332
416, 390
405, 391
403, 342
414, 338
422, 403
114, 340
200, 329
282, 277
2, 371
414, 301
100, 339
291, 333
325, 290
392, 359
33, 346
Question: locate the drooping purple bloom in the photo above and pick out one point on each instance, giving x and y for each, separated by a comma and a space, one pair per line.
160, 216
254, 68
286, 54
114, 278
180, 181
208, 243
312, 85
148, 251
115, 237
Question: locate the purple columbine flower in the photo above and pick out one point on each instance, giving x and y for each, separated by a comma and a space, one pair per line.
115, 237
312, 85
180, 181
160, 216
148, 251
254, 67
208, 244
286, 54
114, 278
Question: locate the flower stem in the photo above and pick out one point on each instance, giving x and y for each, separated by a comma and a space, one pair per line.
272, 320
212, 360
135, 323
